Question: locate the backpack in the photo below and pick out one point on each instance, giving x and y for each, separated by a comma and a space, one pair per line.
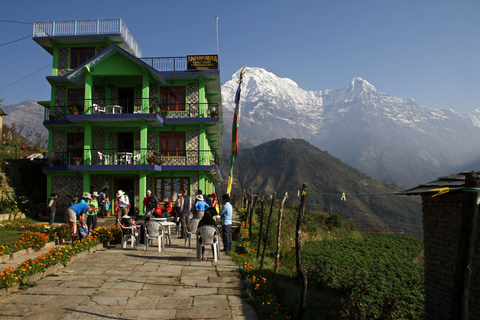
152, 202
128, 201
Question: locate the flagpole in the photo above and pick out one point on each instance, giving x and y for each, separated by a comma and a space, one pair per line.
216, 19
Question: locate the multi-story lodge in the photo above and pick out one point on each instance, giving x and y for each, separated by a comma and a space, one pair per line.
123, 122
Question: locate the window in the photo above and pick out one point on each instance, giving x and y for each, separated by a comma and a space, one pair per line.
172, 98
172, 144
80, 55
169, 188
74, 145
76, 100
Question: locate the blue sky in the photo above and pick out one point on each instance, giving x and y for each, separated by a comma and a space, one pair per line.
425, 50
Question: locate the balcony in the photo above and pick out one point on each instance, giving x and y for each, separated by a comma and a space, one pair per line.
98, 110
113, 159
73, 31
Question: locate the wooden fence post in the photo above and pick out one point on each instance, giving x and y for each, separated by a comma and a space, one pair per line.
300, 271
250, 219
261, 227
279, 233
268, 231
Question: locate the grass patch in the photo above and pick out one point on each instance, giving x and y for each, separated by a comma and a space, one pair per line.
8, 237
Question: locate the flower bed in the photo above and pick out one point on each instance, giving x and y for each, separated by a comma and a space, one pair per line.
10, 277
35, 236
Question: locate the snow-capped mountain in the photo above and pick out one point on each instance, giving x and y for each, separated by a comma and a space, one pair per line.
390, 138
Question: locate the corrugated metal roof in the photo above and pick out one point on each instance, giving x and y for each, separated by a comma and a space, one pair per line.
454, 182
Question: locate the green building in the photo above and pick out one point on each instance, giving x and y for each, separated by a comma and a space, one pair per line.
123, 122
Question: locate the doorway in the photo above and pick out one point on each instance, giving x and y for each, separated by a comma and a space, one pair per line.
126, 97
127, 185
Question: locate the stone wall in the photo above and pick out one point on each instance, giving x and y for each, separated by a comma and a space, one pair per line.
442, 219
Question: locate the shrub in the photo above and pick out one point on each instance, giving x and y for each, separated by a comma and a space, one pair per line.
334, 221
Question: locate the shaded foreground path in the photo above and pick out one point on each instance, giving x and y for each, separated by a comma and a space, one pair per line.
134, 284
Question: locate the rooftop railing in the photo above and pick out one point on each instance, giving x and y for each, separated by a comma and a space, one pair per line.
84, 28
167, 63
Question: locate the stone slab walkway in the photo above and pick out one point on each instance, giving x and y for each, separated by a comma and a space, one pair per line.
135, 284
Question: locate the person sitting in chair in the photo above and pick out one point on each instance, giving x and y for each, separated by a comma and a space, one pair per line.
207, 220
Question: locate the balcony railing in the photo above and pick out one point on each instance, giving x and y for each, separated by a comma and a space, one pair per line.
131, 106
84, 28
167, 63
134, 157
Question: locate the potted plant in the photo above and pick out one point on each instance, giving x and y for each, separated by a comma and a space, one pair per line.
213, 114
154, 160
153, 108
77, 160
74, 110
164, 114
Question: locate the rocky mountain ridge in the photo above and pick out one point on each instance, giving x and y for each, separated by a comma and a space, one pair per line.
390, 138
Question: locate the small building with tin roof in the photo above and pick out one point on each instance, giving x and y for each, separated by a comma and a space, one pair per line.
452, 241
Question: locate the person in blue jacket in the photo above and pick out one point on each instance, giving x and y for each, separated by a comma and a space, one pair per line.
200, 207
78, 212
226, 215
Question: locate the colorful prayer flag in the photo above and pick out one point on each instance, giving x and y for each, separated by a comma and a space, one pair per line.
235, 125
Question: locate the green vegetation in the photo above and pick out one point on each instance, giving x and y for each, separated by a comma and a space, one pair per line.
350, 276
372, 203
8, 237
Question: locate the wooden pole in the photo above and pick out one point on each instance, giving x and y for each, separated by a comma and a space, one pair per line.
261, 227
250, 219
466, 245
265, 242
279, 233
300, 271
248, 200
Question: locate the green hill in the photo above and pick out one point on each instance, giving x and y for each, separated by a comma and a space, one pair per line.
285, 164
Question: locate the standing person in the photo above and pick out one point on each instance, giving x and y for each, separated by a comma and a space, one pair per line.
79, 211
214, 203
194, 208
150, 203
122, 201
178, 207
92, 216
52, 207
102, 203
226, 215
87, 196
185, 214
207, 200
67, 203
200, 207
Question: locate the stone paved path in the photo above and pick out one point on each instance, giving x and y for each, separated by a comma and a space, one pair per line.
134, 284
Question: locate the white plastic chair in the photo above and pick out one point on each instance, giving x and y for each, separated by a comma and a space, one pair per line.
154, 230
97, 109
207, 236
136, 158
104, 159
191, 229
129, 233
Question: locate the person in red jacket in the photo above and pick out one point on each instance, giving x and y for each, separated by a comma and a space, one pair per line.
167, 208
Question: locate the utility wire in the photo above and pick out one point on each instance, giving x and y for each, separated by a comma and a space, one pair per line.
31, 74
12, 21
4, 44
